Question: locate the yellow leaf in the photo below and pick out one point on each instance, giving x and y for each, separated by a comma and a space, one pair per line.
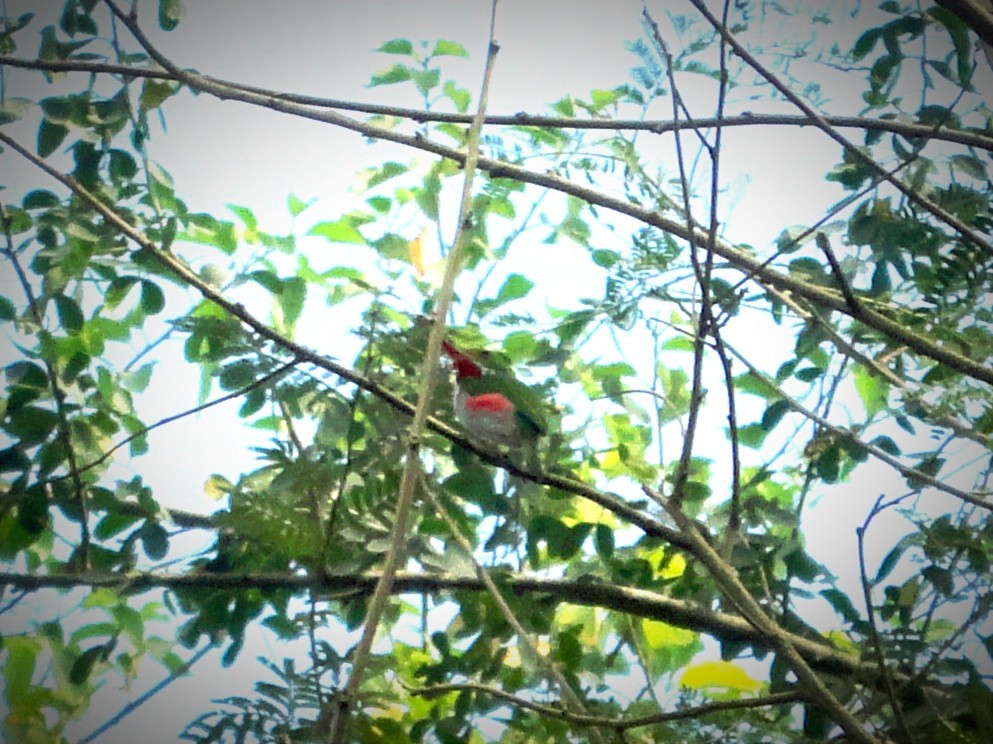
722, 674
610, 463
660, 635
415, 250
584, 510
217, 487
675, 568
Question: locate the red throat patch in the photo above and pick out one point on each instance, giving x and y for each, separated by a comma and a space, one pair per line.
488, 403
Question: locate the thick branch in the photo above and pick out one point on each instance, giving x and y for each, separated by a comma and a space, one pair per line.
975, 15
632, 601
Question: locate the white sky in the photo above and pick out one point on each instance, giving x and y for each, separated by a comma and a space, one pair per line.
226, 152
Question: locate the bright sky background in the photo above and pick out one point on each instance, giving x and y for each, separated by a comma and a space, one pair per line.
225, 152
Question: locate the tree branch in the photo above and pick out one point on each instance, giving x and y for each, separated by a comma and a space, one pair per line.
780, 698
967, 137
637, 602
974, 14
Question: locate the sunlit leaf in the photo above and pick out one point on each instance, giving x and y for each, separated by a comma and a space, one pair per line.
719, 674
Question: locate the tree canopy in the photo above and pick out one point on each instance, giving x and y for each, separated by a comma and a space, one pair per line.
748, 286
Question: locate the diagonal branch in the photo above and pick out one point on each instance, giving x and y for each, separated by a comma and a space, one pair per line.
412, 465
572, 702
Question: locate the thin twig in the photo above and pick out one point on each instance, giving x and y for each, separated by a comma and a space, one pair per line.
183, 414
969, 138
703, 321
846, 288
717, 706
884, 671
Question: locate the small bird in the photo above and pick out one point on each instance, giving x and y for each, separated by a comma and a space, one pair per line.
494, 406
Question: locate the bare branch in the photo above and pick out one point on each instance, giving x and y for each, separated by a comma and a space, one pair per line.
967, 137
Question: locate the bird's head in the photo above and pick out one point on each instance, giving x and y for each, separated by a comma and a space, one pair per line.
465, 368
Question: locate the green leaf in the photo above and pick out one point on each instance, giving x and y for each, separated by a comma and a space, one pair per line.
18, 670
444, 47
397, 46
170, 14
774, 414
7, 309
339, 231
828, 464
32, 510
32, 425
752, 435
118, 290
841, 604
155, 92
887, 445
82, 667
396, 74
603, 539
296, 205
12, 109
872, 391
603, 98
152, 297
291, 298
515, 287
40, 199
69, 313
459, 96
426, 80
154, 540
137, 380
50, 136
